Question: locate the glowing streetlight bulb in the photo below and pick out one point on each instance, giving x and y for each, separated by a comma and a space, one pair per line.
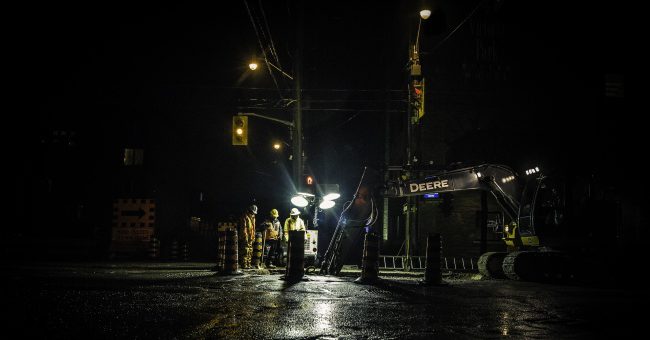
425, 14
252, 66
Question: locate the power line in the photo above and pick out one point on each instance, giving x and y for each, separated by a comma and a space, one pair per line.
257, 34
457, 27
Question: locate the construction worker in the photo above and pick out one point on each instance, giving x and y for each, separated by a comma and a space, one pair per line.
272, 233
294, 222
246, 236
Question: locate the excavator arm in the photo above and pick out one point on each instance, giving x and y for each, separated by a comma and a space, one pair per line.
501, 181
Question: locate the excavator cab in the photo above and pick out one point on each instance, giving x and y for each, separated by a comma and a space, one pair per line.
541, 214
523, 235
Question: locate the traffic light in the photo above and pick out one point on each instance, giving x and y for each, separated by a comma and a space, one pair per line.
417, 100
309, 184
239, 130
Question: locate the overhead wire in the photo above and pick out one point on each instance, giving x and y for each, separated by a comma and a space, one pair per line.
259, 40
457, 27
274, 53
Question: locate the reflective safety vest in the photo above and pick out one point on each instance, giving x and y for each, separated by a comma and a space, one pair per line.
290, 224
246, 228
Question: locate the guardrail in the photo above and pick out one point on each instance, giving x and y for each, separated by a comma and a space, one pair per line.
419, 263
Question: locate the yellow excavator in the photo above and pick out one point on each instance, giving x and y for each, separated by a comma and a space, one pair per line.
554, 221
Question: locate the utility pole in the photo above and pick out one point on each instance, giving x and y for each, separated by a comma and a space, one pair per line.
296, 134
415, 111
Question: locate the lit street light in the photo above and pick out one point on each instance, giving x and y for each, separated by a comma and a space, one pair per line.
278, 144
323, 200
295, 124
253, 66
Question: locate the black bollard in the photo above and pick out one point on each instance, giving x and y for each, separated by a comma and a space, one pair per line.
296, 256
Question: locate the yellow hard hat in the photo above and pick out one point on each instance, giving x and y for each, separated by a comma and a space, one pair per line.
274, 213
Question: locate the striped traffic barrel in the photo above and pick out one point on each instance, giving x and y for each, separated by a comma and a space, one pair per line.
221, 248
432, 272
370, 260
173, 251
257, 251
154, 248
230, 263
185, 252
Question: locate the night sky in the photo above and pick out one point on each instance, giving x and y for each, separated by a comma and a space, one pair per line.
168, 79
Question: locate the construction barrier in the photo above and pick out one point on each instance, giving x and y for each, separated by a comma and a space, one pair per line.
370, 261
432, 272
296, 256
230, 262
397, 262
173, 251
257, 251
154, 248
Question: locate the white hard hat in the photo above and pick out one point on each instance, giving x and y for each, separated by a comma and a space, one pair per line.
253, 209
294, 211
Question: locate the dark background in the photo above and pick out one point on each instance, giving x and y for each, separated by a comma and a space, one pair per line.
88, 81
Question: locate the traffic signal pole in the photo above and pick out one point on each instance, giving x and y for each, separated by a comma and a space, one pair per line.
296, 124
296, 135
415, 111
297, 113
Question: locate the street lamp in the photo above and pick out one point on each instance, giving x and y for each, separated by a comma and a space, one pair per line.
254, 65
296, 123
278, 144
415, 111
323, 200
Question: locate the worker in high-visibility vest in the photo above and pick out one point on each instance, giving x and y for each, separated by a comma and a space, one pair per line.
246, 236
272, 235
294, 222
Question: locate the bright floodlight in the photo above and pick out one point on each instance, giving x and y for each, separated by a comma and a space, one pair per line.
425, 14
326, 204
299, 201
331, 196
276, 146
252, 66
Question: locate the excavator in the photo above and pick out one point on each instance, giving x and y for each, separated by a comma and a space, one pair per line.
553, 222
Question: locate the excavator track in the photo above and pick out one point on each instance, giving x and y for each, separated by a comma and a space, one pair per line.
539, 266
490, 265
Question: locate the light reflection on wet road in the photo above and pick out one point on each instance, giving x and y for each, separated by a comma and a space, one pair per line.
195, 303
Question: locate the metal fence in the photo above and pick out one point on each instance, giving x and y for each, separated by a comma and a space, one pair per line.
419, 263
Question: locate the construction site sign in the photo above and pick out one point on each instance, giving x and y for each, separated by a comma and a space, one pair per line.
133, 225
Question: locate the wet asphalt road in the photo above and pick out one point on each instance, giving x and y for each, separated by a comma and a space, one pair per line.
182, 301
